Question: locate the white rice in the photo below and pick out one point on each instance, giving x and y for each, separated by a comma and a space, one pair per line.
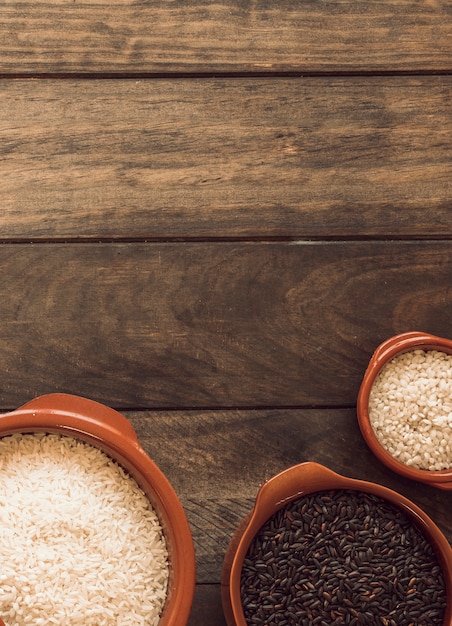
79, 540
410, 408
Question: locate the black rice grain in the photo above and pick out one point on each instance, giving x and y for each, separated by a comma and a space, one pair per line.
342, 557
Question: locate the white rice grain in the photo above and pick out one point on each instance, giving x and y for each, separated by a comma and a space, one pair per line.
410, 408
79, 540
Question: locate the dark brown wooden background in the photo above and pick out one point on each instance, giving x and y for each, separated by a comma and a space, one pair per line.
211, 213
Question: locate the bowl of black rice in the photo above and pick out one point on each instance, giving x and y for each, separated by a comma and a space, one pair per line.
320, 548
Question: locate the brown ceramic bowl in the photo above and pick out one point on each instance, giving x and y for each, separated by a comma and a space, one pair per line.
301, 480
385, 352
111, 432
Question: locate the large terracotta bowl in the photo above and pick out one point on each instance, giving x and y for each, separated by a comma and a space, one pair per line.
293, 483
386, 351
111, 432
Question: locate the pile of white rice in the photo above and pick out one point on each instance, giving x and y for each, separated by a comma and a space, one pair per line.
79, 540
410, 408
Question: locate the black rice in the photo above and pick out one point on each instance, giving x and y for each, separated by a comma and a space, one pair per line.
342, 557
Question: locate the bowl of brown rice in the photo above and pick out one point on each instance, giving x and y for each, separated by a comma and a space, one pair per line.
91, 531
320, 548
404, 407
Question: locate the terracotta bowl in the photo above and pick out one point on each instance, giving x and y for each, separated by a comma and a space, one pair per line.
301, 480
385, 352
111, 432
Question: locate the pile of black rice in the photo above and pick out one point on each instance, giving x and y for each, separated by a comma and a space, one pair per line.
342, 557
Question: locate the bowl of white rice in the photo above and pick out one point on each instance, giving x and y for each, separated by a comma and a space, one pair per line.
404, 407
91, 531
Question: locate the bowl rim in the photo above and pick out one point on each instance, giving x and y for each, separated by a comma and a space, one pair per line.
303, 479
387, 350
110, 431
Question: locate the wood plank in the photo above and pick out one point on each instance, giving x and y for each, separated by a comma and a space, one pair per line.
207, 609
217, 461
211, 324
233, 35
318, 157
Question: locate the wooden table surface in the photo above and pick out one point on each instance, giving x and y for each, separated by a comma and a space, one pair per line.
211, 215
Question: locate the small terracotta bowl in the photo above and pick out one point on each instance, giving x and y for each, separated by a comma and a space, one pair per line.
386, 351
301, 480
111, 432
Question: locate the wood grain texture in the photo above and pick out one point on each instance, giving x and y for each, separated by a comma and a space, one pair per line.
318, 157
217, 461
211, 324
207, 607
211, 214
234, 35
